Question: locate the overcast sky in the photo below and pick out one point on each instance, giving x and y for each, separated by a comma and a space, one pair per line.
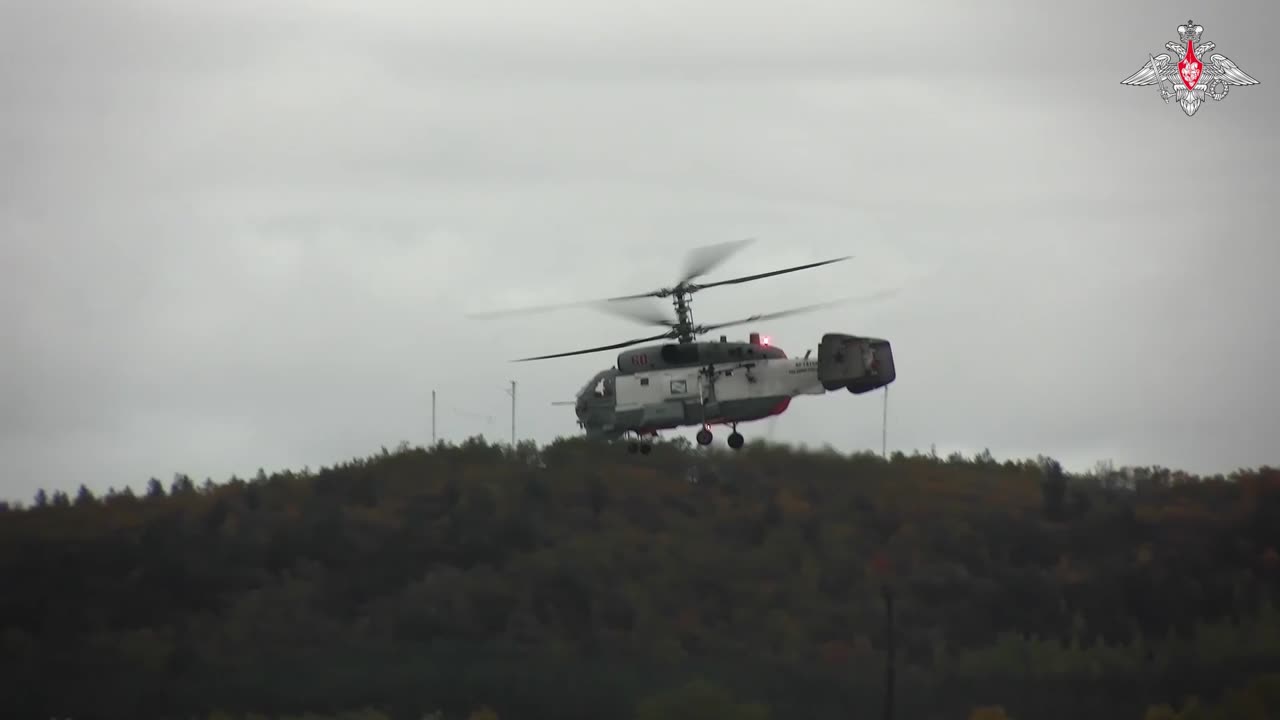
244, 234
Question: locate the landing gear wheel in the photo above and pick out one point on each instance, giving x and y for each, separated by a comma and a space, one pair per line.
632, 447
736, 440
704, 437
645, 448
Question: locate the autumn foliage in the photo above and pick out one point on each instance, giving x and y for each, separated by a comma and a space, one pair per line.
576, 581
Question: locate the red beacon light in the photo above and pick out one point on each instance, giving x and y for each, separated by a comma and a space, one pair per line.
758, 339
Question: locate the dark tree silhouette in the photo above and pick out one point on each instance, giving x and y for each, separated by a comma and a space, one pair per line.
577, 581
1054, 487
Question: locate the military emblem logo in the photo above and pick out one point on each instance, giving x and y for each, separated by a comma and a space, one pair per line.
1196, 62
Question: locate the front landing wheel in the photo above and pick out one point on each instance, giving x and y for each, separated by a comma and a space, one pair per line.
704, 437
736, 440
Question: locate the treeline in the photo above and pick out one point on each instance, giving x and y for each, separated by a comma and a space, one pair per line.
576, 581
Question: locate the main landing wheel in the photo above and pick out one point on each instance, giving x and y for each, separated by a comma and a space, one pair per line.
643, 447
736, 440
704, 437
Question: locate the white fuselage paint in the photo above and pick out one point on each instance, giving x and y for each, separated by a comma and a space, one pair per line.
747, 380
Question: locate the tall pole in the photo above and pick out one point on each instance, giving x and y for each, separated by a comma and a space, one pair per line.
887, 591
433, 418
884, 426
512, 393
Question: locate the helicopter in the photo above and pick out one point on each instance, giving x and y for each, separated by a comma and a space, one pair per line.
687, 382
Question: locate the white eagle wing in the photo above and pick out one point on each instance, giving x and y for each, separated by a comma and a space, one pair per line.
1221, 67
1147, 76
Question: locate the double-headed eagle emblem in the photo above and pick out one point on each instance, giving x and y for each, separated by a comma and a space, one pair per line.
1191, 69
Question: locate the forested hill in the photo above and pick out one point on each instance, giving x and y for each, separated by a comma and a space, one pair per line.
576, 581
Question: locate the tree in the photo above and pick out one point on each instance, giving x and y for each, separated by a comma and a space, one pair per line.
1054, 488
84, 497
562, 591
699, 700
182, 485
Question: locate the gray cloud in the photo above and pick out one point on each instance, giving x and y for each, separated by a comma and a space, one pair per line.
243, 235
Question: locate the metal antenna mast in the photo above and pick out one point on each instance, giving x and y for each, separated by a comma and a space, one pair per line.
884, 426
512, 393
433, 418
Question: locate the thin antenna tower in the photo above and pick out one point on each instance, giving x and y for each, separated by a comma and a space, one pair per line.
433, 418
512, 393
884, 426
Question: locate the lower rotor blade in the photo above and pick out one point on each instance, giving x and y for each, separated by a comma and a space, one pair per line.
601, 348
645, 313
651, 294
799, 310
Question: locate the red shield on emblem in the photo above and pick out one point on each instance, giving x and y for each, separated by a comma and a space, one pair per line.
1189, 68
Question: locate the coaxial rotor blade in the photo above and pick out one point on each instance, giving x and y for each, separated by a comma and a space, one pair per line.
640, 312
646, 315
703, 260
662, 292
798, 311
698, 262
758, 276
601, 348
767, 316
535, 309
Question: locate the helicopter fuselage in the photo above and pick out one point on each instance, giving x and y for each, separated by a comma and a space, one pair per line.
724, 383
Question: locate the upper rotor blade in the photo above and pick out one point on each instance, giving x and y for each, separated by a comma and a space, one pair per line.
646, 315
534, 309
759, 276
614, 346
798, 310
699, 262
703, 260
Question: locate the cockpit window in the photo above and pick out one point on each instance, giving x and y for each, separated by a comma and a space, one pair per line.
599, 386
